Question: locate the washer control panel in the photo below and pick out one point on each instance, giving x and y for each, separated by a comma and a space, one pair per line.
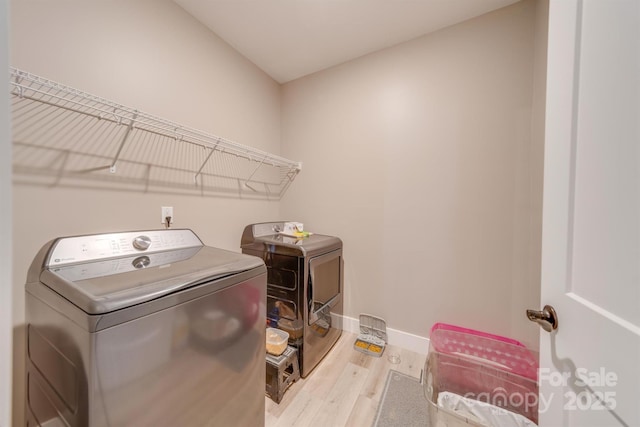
107, 267
71, 250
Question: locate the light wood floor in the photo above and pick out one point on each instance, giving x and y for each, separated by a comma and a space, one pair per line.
344, 390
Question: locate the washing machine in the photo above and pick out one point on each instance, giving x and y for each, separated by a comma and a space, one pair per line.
144, 328
304, 287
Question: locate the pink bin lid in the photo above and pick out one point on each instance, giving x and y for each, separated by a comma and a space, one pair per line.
493, 350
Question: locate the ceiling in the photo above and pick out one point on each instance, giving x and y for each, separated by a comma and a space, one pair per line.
289, 39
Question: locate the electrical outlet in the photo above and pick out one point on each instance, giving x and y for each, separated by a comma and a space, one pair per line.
167, 211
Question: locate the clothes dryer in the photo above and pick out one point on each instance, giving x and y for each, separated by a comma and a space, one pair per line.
304, 287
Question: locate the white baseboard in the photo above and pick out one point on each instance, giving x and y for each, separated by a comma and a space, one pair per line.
395, 337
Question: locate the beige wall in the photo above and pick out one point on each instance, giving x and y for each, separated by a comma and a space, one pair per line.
149, 55
421, 157
426, 158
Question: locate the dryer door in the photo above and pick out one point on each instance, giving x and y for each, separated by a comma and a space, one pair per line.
324, 285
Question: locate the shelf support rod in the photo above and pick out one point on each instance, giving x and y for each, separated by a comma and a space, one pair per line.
65, 157
147, 178
112, 168
195, 177
248, 180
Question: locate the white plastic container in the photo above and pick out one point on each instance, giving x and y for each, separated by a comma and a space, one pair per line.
293, 227
276, 341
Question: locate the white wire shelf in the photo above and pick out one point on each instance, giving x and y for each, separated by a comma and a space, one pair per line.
63, 136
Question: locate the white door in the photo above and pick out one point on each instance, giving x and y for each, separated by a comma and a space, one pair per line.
590, 365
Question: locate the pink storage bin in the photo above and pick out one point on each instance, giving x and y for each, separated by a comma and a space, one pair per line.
454, 328
493, 350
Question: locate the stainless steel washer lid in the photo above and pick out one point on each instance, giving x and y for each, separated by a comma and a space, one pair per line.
174, 260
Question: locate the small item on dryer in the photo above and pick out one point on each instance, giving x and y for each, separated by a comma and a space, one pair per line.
276, 341
295, 229
373, 335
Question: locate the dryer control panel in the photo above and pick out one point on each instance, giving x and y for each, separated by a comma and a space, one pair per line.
267, 229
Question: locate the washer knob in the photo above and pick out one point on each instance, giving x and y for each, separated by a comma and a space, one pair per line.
142, 243
141, 262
